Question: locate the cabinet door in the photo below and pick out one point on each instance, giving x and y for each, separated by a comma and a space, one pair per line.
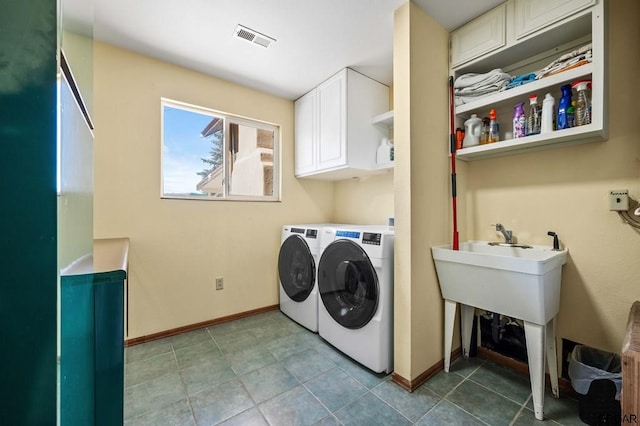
332, 122
532, 15
478, 37
305, 139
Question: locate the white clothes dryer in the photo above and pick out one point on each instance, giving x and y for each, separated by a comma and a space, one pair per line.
355, 284
297, 269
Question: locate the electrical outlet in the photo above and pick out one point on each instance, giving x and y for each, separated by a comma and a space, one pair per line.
219, 283
619, 200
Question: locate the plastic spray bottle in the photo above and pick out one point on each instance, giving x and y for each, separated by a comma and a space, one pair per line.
494, 127
519, 122
484, 136
535, 114
583, 105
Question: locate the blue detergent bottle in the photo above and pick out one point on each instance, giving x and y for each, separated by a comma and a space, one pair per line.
563, 106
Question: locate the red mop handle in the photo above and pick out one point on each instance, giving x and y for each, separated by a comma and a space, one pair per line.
452, 142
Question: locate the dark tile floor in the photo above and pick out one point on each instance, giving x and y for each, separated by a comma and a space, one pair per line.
267, 370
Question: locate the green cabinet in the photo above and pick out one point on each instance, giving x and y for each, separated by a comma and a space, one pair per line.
28, 43
92, 345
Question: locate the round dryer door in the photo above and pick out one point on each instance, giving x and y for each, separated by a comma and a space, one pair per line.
296, 268
348, 284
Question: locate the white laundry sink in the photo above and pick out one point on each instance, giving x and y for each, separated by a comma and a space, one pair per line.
509, 279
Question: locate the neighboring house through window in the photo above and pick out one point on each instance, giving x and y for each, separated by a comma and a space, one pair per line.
211, 155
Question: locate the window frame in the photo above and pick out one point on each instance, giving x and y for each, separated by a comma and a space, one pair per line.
228, 120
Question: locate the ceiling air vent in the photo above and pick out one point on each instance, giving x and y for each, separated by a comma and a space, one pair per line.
253, 37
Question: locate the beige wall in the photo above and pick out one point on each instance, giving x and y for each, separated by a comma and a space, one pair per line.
566, 190
421, 186
366, 201
178, 247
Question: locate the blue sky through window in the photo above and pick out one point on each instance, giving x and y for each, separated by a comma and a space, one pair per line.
183, 148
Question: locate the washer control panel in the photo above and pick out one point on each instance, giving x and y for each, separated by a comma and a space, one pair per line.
371, 238
348, 234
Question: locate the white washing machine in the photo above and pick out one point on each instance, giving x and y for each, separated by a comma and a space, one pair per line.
355, 284
297, 269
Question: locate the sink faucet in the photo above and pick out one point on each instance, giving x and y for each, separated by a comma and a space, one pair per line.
508, 235
556, 244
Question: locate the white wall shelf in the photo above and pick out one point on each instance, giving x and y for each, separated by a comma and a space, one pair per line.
557, 138
538, 86
389, 165
563, 33
384, 120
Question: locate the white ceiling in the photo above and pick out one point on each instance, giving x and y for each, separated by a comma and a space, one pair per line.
314, 38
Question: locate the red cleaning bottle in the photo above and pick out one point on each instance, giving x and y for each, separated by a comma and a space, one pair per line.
494, 127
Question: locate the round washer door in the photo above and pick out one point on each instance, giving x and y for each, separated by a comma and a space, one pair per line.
348, 284
296, 268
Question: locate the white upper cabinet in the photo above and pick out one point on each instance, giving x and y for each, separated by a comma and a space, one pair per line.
479, 37
332, 147
305, 124
532, 15
334, 135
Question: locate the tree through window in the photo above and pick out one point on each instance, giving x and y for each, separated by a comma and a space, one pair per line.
210, 155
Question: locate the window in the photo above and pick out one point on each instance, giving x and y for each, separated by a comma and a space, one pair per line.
211, 155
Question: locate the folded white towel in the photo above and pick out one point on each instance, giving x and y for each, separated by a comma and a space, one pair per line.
472, 80
482, 89
469, 87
